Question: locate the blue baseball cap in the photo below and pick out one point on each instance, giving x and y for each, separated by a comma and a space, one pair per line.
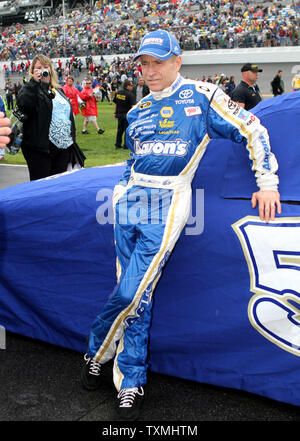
159, 44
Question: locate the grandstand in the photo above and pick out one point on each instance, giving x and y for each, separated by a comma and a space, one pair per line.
15, 11
115, 26
80, 28
24, 11
63, 29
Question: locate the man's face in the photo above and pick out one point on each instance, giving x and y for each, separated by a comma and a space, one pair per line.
252, 76
159, 74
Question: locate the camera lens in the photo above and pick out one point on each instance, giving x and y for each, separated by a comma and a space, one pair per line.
45, 73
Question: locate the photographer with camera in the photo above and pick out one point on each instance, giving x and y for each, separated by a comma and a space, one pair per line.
48, 141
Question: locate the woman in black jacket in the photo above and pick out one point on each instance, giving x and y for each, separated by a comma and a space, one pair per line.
48, 127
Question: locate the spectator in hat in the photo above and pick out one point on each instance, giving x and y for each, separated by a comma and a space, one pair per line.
247, 93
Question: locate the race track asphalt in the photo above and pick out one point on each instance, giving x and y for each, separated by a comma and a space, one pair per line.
41, 383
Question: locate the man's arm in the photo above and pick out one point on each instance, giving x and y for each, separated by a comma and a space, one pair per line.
85, 94
28, 96
243, 125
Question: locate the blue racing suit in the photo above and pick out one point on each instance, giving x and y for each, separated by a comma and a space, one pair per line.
168, 134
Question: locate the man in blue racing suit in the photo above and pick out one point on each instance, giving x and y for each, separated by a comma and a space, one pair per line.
168, 133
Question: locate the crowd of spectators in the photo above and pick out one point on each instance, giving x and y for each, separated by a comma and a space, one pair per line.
116, 27
108, 76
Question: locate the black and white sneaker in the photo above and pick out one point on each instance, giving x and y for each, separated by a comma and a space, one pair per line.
90, 373
129, 403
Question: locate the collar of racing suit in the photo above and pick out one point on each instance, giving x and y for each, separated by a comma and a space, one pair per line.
168, 90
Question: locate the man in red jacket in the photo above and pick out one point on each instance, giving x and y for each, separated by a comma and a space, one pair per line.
89, 111
72, 93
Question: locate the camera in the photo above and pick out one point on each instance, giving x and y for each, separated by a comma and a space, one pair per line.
45, 73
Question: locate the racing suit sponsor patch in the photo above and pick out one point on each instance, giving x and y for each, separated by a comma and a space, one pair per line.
191, 111
243, 114
266, 147
185, 94
189, 101
145, 105
166, 123
166, 112
232, 105
165, 148
153, 40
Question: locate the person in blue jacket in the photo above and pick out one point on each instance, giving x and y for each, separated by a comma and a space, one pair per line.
168, 133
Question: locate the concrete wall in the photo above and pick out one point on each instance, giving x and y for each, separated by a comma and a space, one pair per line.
285, 54
229, 62
264, 78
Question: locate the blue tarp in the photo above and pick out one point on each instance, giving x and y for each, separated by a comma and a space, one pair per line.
225, 310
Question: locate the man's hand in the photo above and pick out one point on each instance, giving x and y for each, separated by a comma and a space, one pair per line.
4, 130
267, 202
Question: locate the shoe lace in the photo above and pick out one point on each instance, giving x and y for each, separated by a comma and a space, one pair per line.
127, 396
95, 366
